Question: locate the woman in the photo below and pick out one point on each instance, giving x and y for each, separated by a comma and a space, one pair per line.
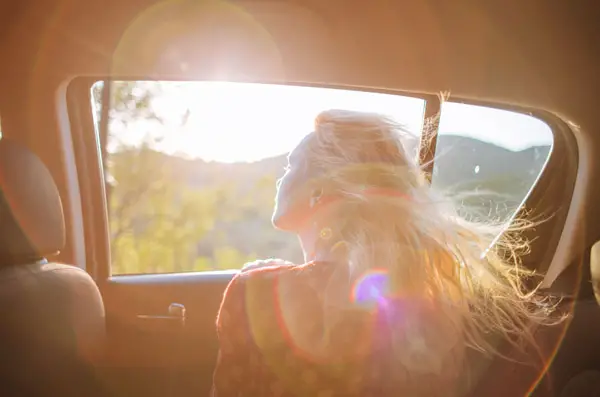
395, 291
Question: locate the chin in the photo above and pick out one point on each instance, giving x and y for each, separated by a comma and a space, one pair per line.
281, 222
275, 220
278, 216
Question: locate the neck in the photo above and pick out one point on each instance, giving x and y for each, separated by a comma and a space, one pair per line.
322, 256
319, 250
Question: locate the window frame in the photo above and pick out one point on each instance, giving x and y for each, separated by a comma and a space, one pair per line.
562, 162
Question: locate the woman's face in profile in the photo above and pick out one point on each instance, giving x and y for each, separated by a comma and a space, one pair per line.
291, 186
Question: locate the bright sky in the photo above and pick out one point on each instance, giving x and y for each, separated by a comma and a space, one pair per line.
232, 122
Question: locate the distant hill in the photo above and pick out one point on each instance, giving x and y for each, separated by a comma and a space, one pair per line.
492, 180
461, 160
461, 163
502, 177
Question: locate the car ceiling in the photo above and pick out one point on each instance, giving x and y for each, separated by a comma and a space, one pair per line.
534, 53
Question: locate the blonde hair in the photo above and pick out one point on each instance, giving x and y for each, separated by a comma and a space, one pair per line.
468, 271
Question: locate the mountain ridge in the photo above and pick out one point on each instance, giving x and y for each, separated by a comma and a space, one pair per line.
456, 159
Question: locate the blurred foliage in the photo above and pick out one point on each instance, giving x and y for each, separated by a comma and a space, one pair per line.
157, 220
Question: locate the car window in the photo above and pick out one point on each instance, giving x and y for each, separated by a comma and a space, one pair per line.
489, 158
190, 167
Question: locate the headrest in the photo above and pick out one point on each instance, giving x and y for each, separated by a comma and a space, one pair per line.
31, 215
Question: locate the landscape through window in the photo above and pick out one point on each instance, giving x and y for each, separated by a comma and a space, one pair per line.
190, 167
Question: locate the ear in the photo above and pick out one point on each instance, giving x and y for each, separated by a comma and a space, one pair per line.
315, 196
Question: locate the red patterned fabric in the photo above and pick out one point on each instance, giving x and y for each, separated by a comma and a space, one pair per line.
259, 358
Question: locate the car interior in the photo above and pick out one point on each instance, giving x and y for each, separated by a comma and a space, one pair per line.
85, 314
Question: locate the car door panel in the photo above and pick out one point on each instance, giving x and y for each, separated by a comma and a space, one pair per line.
152, 352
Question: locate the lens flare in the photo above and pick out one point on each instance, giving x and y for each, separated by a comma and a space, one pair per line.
371, 289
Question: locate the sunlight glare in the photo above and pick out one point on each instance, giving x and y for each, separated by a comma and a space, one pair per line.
245, 122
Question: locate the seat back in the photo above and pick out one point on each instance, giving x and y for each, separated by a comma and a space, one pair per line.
52, 322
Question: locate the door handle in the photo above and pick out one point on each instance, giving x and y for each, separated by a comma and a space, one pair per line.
175, 313
177, 310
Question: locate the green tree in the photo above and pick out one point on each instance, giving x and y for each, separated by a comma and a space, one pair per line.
156, 220
162, 221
